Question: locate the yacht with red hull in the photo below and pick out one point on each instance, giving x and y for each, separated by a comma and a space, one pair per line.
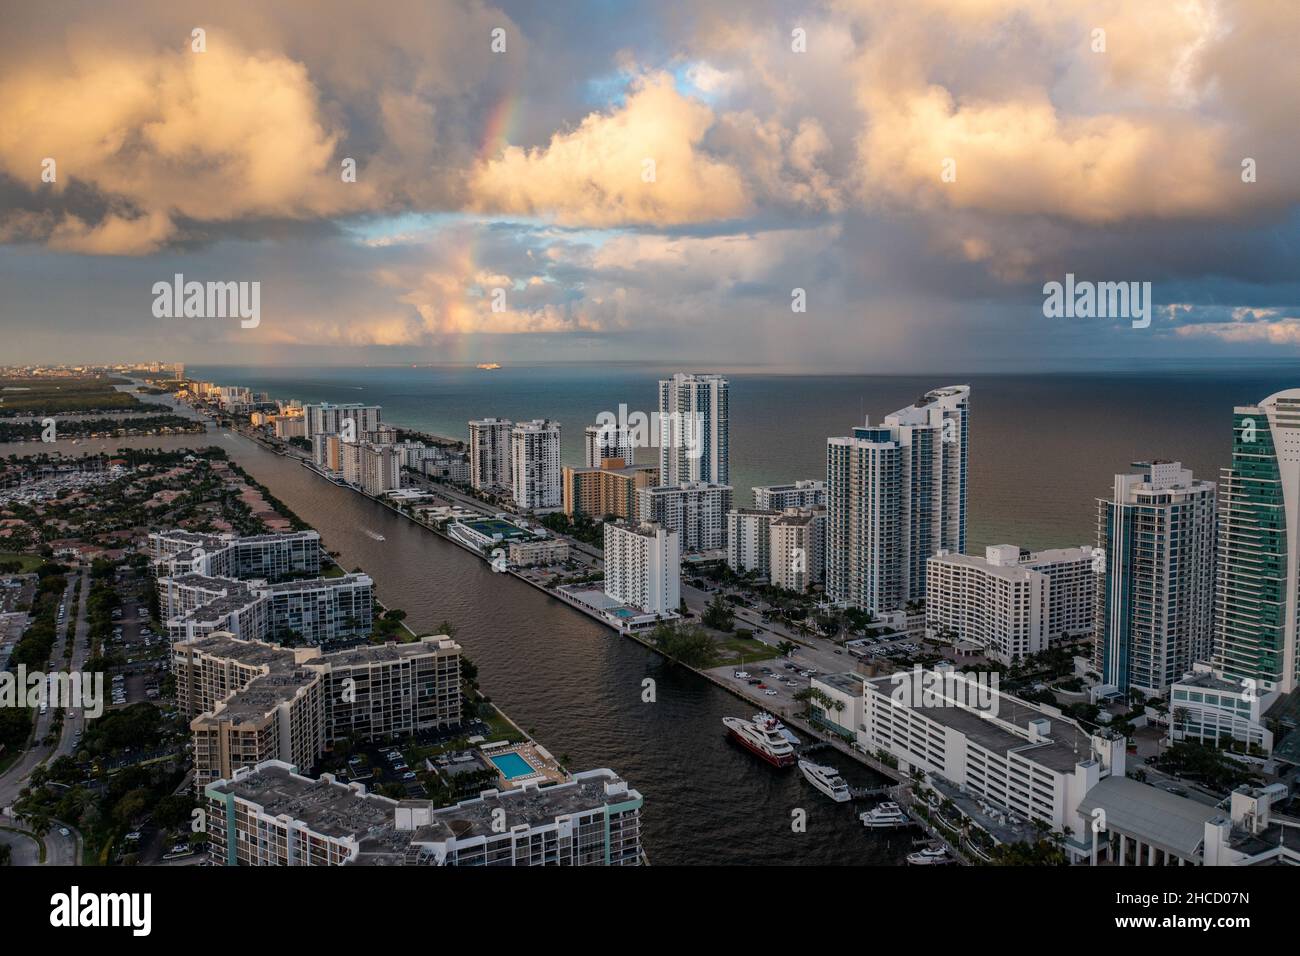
761, 736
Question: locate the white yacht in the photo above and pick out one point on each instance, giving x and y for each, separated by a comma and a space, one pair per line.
930, 856
885, 816
781, 728
825, 779
761, 736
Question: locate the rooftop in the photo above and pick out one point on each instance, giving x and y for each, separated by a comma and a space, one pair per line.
1167, 820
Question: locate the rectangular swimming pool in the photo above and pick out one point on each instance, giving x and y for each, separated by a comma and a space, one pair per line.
513, 766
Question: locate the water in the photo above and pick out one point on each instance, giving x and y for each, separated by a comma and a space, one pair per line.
1043, 448
575, 685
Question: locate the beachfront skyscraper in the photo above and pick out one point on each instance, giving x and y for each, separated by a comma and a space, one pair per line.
535, 465
1155, 592
601, 443
693, 430
895, 495
489, 454
1259, 546
327, 418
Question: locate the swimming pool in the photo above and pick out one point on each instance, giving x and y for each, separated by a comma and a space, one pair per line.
513, 766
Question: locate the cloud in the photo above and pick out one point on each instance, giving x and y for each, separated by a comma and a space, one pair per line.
641, 163
1248, 324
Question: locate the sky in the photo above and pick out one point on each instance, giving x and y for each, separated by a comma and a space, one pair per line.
857, 185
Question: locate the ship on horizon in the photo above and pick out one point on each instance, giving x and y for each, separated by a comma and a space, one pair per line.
487, 365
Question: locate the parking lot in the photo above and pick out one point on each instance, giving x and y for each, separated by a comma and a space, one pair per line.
141, 650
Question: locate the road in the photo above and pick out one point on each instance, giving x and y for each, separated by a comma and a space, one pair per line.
15, 778
74, 719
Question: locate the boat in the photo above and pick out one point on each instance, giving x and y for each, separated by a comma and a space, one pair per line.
488, 366
781, 728
825, 779
761, 737
885, 816
373, 534
930, 856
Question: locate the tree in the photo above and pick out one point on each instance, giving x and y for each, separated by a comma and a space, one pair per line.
718, 615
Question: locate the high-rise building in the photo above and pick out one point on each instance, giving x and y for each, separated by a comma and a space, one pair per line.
489, 454
696, 511
1155, 598
694, 433
643, 566
601, 444
798, 548
895, 496
1011, 602
1259, 547
535, 465
267, 814
381, 468
350, 462
607, 490
326, 417
807, 493
749, 540
250, 701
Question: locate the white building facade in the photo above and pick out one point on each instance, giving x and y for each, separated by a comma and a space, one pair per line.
643, 566
535, 474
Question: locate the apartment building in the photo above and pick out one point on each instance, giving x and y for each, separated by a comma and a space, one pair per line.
798, 548
381, 468
250, 701
643, 566
1155, 601
749, 546
489, 454
535, 465
694, 430
895, 496
328, 418
601, 443
806, 493
607, 490
267, 556
1011, 602
320, 610
697, 512
269, 815
1258, 581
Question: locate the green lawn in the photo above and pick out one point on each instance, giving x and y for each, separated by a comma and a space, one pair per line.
30, 562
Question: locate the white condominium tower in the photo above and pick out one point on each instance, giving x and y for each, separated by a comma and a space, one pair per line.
1259, 546
895, 496
749, 540
535, 465
697, 512
643, 566
807, 493
601, 444
380, 467
694, 430
798, 548
326, 418
1155, 600
489, 454
1011, 602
